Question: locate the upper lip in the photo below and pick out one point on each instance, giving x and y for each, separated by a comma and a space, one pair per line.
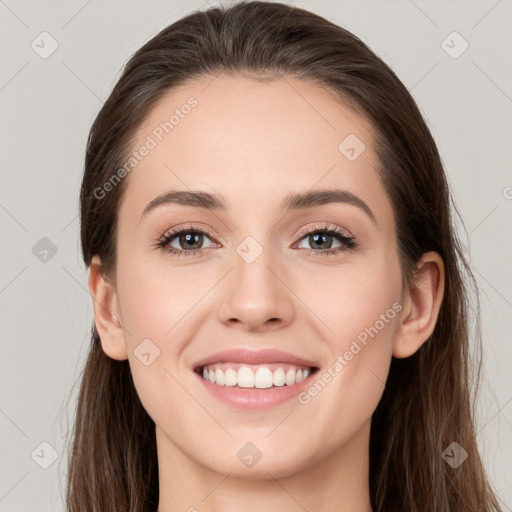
243, 355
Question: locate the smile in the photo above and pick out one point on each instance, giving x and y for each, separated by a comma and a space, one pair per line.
254, 379
254, 376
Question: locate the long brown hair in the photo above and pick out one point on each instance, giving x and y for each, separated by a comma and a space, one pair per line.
428, 401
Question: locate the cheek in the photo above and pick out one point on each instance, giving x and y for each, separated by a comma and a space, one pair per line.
361, 309
344, 395
155, 311
155, 314
155, 303
355, 301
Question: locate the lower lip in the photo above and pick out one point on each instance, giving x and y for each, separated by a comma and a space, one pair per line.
255, 398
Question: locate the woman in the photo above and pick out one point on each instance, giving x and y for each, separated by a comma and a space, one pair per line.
256, 369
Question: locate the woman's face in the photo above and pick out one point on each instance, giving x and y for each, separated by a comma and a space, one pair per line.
264, 275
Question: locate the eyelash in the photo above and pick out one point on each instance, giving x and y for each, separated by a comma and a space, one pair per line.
348, 241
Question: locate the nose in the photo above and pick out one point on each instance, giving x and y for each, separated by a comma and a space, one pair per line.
255, 295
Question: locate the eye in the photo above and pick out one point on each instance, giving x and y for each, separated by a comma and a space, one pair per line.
190, 240
321, 238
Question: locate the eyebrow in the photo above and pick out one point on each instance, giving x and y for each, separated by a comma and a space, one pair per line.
293, 201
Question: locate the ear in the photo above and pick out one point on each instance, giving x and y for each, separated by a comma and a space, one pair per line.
107, 316
421, 305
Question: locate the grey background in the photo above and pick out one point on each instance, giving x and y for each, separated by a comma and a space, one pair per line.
47, 107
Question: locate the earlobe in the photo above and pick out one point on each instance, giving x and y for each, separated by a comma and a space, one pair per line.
106, 312
421, 306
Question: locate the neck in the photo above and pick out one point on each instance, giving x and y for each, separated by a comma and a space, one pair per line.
338, 481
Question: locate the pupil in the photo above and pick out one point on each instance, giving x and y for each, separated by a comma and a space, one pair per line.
322, 237
190, 238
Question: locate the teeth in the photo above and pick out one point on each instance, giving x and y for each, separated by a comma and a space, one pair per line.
261, 378
245, 377
290, 377
279, 377
219, 377
230, 377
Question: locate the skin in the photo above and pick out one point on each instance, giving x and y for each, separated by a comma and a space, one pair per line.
255, 142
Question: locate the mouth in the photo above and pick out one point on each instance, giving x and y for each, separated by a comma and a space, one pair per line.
254, 380
250, 376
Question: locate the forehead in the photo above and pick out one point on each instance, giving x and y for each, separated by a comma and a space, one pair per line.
253, 142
